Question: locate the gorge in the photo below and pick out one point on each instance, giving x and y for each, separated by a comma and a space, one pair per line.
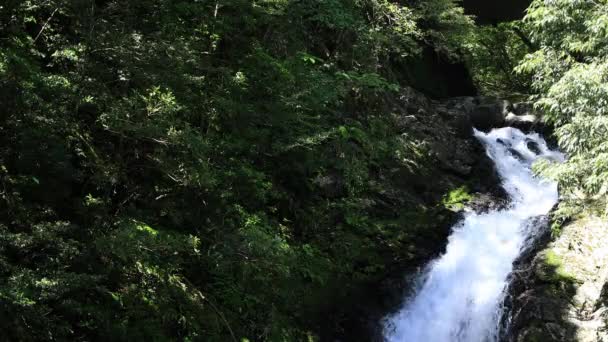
303, 170
461, 292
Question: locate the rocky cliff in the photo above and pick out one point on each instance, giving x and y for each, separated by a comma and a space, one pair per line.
458, 161
459, 176
559, 293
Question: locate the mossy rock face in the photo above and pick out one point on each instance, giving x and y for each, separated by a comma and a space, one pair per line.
457, 198
559, 294
551, 269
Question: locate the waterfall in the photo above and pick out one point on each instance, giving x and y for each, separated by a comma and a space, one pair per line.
460, 294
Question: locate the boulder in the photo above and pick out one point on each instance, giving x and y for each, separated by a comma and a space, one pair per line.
485, 113
523, 108
459, 120
556, 292
525, 123
533, 146
503, 143
517, 155
489, 113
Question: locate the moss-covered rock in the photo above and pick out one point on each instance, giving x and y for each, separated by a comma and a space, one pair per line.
557, 294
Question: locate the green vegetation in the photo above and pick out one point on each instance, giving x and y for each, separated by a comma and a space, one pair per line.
557, 272
202, 170
457, 198
492, 54
570, 74
205, 170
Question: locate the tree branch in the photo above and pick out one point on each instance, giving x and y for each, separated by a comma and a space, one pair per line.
46, 24
524, 38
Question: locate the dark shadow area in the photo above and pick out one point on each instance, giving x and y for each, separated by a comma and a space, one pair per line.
493, 12
435, 75
539, 294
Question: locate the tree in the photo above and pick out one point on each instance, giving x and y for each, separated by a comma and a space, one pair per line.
569, 74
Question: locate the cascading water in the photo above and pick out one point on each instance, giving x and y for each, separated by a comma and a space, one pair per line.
460, 296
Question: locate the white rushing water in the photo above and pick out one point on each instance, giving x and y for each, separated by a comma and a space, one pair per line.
460, 296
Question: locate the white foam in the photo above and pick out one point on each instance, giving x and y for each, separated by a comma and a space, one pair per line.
461, 294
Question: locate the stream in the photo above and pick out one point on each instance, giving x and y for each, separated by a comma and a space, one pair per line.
460, 295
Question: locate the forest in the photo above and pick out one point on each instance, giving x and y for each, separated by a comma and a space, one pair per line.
211, 170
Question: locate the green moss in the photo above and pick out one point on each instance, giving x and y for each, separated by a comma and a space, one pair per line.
556, 228
552, 259
554, 269
457, 198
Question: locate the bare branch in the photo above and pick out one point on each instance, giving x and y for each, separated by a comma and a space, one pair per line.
46, 24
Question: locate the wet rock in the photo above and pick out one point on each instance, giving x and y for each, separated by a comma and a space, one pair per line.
485, 113
534, 147
503, 143
525, 117
483, 203
517, 155
526, 123
463, 104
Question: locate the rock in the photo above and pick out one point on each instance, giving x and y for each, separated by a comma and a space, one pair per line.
482, 203
504, 106
523, 108
464, 104
534, 147
525, 123
487, 112
523, 116
517, 155
558, 293
458, 112
487, 116
405, 122
330, 185
503, 143
463, 126
412, 100
507, 107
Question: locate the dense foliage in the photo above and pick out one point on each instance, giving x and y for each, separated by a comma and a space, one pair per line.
492, 52
570, 73
204, 170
